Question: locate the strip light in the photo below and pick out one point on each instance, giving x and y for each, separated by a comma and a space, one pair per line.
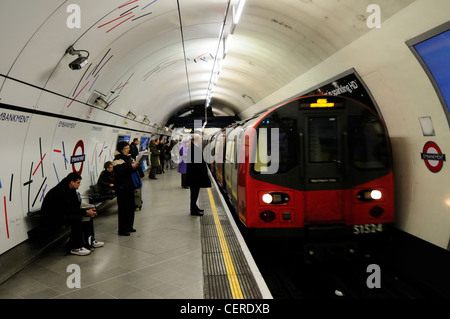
237, 14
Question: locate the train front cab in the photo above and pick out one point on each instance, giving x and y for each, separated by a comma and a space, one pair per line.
334, 175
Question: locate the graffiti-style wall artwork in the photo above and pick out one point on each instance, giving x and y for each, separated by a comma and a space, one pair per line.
38, 151
13, 130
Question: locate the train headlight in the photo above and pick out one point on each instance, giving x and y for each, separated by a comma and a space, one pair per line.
275, 198
369, 195
375, 194
267, 198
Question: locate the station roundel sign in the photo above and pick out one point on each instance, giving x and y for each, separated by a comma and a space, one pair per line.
433, 157
78, 158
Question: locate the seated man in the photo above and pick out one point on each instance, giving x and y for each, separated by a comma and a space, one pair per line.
62, 204
106, 179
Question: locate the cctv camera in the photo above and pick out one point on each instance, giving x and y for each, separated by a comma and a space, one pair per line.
78, 63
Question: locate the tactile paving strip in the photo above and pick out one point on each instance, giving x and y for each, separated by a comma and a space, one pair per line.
216, 280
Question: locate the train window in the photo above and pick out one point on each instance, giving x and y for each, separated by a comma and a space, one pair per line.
367, 141
229, 155
212, 144
322, 139
287, 145
236, 147
218, 155
262, 150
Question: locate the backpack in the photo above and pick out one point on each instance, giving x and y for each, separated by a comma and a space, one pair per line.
137, 182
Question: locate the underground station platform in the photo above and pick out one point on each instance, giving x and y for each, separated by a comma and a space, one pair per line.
172, 255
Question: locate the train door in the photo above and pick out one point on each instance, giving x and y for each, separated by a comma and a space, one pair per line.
323, 169
230, 167
219, 158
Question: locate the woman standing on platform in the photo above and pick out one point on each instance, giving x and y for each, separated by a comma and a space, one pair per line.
123, 167
196, 174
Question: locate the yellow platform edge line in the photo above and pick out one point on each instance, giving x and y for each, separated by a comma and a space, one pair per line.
231, 272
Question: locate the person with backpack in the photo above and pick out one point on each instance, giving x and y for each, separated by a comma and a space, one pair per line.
62, 205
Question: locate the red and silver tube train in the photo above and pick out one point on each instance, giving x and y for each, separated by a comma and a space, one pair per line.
315, 163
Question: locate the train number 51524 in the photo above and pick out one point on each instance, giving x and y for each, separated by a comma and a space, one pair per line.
367, 229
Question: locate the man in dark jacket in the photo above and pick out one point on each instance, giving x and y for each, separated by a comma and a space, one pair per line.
160, 148
196, 174
154, 159
134, 150
62, 205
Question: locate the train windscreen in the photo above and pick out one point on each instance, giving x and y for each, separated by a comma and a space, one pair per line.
368, 149
336, 140
322, 137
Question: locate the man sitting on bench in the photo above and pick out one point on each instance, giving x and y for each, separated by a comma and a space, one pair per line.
62, 205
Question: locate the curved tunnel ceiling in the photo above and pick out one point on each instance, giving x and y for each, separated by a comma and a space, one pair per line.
155, 57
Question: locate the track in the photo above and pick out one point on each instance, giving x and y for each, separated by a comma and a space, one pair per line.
291, 272
365, 274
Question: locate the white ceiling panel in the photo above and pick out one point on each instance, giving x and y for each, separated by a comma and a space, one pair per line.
155, 57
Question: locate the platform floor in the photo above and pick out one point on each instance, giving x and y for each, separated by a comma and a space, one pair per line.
164, 259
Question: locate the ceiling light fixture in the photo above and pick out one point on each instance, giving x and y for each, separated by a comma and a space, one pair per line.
238, 12
131, 115
222, 48
79, 62
237, 15
100, 102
